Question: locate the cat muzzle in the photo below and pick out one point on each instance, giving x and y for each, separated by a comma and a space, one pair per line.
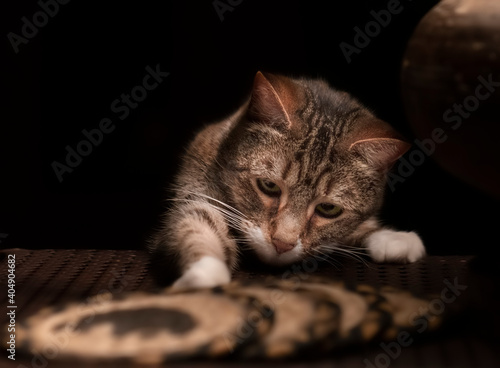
281, 246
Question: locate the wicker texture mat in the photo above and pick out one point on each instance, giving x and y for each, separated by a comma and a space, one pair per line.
46, 277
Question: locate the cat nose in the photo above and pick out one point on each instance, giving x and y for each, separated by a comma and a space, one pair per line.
281, 246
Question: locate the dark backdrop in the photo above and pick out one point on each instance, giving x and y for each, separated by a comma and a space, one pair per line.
67, 76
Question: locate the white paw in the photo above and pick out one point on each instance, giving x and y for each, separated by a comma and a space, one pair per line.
204, 273
395, 246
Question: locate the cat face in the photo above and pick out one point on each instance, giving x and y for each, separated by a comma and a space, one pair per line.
306, 167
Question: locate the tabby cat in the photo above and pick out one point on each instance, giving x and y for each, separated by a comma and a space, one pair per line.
298, 171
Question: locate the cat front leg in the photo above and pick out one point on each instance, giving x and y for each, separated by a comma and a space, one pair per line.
206, 272
206, 253
387, 245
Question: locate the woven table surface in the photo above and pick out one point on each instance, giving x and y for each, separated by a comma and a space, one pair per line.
47, 277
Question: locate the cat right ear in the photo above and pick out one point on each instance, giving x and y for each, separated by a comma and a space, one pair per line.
273, 99
379, 144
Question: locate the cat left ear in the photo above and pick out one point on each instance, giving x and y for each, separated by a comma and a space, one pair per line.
273, 96
380, 145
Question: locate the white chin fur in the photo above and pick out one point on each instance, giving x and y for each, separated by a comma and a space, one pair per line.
204, 273
395, 246
266, 251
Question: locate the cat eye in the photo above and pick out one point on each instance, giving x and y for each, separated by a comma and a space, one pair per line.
328, 210
269, 188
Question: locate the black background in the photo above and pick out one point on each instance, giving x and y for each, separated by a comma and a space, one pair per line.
66, 77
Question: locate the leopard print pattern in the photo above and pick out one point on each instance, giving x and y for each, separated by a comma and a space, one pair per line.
271, 319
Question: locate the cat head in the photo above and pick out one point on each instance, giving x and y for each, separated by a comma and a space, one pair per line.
306, 166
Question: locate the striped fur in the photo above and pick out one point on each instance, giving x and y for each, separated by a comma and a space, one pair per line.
317, 144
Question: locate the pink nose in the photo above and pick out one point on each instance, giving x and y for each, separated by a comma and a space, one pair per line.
281, 246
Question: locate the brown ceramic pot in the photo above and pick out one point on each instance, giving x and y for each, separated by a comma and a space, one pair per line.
451, 89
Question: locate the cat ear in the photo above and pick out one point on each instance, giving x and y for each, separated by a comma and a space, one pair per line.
273, 96
379, 144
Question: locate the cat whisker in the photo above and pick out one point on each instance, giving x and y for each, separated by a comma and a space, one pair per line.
358, 248
357, 258
215, 200
353, 252
359, 254
234, 220
218, 163
241, 239
323, 256
222, 210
